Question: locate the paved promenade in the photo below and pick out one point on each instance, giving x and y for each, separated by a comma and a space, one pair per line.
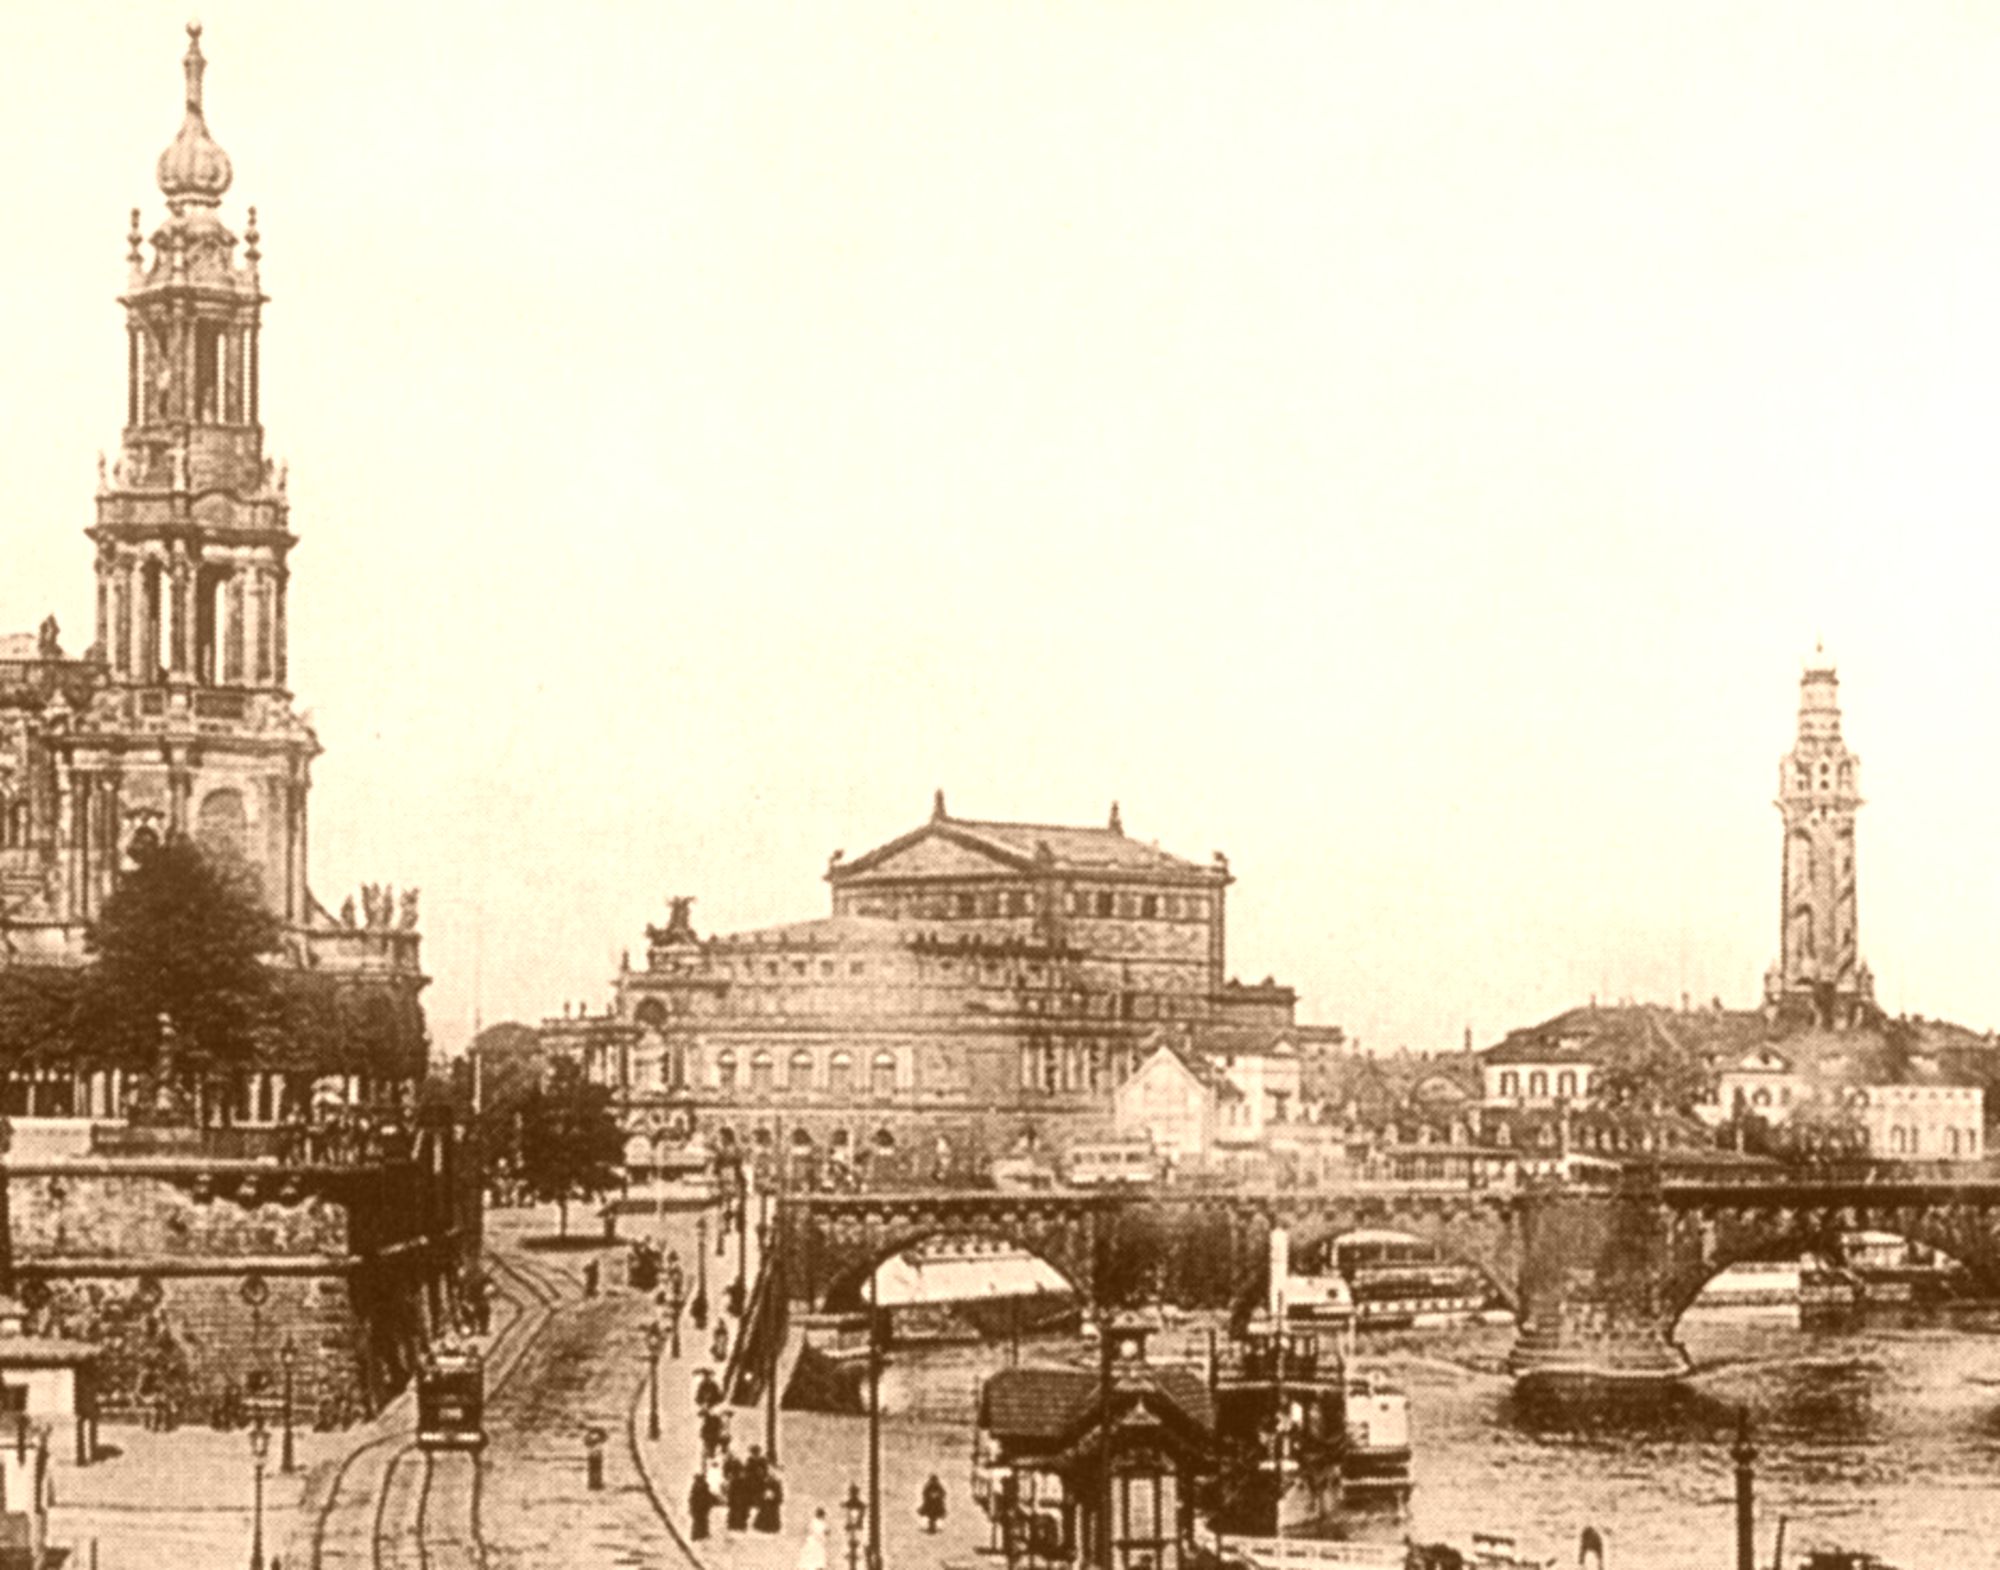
819, 1455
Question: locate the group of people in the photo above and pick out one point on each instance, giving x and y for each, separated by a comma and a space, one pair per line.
747, 1487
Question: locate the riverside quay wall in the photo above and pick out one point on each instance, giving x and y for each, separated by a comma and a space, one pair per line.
194, 1271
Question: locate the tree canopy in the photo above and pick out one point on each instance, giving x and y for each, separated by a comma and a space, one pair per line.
571, 1146
177, 989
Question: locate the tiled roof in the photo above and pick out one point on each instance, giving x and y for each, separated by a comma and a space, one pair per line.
818, 932
1203, 1071
1050, 1404
1063, 846
1104, 849
1036, 1403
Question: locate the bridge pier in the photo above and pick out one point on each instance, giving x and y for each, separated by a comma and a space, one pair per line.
1596, 1305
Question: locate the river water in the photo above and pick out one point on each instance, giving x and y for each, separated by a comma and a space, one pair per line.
1884, 1437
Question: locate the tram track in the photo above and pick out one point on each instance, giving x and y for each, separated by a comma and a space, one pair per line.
364, 1477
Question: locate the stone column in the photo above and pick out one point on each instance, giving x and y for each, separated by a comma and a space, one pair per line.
247, 597
65, 816
233, 649
135, 577
183, 592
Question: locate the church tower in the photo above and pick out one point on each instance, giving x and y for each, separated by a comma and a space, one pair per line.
1819, 782
193, 730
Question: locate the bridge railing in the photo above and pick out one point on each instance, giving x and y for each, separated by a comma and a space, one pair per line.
1866, 1173
1303, 1553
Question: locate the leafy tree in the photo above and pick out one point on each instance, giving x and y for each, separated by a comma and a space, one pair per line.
1639, 1084
1821, 1130
571, 1144
511, 1065
177, 992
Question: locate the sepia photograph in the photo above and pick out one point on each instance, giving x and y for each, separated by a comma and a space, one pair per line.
1050, 786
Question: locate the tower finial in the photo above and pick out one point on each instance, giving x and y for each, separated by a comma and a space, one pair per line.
194, 63
937, 806
193, 170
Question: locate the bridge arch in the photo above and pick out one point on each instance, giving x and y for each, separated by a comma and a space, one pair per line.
1458, 1239
834, 1243
847, 1290
1704, 1244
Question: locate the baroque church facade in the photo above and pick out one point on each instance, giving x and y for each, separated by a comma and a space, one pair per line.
331, 1209
977, 988
178, 717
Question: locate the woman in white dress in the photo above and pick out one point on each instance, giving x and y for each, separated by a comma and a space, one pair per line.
812, 1555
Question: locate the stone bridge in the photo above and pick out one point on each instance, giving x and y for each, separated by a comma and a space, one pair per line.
1597, 1274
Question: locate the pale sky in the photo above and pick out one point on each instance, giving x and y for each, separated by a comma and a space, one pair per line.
1409, 447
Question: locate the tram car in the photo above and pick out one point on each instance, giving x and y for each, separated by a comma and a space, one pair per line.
451, 1400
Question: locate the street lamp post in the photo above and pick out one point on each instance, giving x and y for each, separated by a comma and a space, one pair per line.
874, 1423
260, 1447
656, 1338
742, 1231
676, 1301
698, 1310
287, 1356
854, 1510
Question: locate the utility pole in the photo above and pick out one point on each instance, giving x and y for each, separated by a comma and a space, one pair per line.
1745, 1456
776, 1307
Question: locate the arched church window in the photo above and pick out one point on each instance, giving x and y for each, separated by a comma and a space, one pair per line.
1538, 1083
1510, 1083
1566, 1083
883, 1073
840, 1073
725, 1070
800, 1075
760, 1072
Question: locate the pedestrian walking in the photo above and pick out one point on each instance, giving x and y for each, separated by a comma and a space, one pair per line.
701, 1503
712, 1437
770, 1504
931, 1505
720, 1345
735, 1494
812, 1553
707, 1393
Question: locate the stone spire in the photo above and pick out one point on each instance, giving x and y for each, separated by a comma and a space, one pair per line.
193, 171
1818, 795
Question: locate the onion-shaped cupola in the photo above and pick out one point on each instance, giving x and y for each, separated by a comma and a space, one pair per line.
193, 171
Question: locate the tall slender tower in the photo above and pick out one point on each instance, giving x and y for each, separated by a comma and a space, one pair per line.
194, 729
1819, 781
